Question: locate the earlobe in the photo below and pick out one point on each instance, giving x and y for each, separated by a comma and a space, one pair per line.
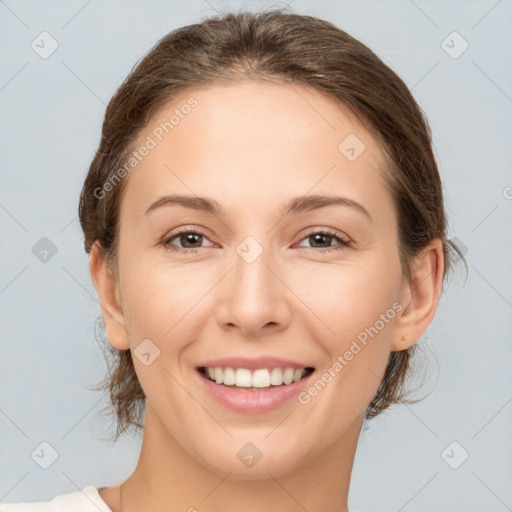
108, 294
420, 297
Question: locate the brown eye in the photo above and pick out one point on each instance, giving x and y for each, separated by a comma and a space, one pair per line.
189, 239
324, 238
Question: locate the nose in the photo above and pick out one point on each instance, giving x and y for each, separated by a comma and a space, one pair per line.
253, 297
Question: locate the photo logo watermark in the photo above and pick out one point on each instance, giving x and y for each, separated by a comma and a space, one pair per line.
454, 455
342, 360
151, 142
249, 454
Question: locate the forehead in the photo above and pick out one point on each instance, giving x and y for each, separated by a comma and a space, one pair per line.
254, 141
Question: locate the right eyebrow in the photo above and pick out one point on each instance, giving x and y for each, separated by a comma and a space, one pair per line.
194, 202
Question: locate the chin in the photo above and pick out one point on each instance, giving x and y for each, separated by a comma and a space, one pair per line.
240, 466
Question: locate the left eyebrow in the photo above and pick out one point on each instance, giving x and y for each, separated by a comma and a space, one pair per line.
313, 202
296, 205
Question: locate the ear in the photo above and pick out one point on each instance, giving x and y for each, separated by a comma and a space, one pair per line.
107, 289
420, 297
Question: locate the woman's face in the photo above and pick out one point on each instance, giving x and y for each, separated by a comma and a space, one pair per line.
256, 279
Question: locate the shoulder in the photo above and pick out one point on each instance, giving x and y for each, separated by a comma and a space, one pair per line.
86, 500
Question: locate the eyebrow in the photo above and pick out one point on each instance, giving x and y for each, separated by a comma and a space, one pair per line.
296, 205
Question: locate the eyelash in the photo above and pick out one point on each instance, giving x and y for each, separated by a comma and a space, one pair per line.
326, 232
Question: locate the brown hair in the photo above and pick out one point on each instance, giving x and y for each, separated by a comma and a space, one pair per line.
283, 47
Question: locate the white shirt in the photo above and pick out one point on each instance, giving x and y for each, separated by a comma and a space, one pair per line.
87, 500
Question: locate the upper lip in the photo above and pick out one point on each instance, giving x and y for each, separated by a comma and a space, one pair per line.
253, 363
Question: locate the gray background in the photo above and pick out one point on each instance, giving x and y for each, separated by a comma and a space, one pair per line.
52, 110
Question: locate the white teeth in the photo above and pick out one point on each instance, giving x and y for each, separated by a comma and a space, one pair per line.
261, 378
242, 378
288, 375
297, 375
229, 377
276, 377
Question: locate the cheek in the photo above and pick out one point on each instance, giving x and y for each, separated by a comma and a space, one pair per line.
160, 300
356, 303
351, 298
357, 307
158, 305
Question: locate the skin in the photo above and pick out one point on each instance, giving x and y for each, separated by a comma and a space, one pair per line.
253, 146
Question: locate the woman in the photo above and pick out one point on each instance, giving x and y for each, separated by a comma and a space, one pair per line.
267, 237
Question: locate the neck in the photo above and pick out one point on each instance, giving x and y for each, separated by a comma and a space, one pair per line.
167, 478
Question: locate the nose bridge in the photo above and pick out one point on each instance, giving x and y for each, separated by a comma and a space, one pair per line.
252, 295
253, 281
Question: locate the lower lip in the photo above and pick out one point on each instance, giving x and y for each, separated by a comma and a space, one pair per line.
254, 402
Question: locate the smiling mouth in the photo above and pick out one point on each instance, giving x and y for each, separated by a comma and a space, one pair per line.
258, 380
